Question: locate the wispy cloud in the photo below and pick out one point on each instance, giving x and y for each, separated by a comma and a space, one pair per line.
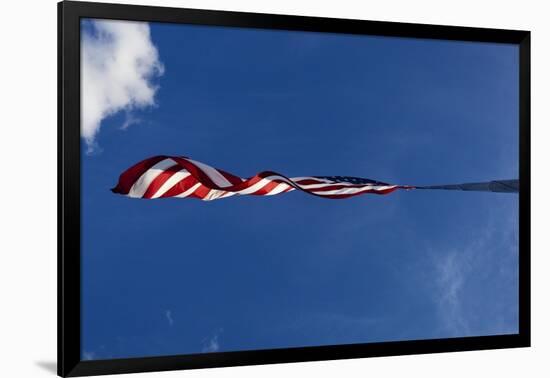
129, 121
118, 63
168, 314
88, 355
451, 275
477, 282
212, 343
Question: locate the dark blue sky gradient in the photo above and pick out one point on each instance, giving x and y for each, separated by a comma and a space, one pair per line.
179, 276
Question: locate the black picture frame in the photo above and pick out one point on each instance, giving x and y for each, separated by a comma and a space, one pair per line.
69, 191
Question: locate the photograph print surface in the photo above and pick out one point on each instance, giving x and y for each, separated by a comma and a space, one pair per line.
227, 262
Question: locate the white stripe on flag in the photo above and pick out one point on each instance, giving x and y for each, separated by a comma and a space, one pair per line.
173, 180
316, 186
353, 190
189, 191
257, 186
140, 186
278, 189
311, 178
214, 175
214, 194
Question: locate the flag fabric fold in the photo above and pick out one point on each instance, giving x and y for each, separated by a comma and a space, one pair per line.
181, 177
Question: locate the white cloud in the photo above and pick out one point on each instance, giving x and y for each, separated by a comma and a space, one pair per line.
169, 317
129, 121
211, 344
88, 355
118, 63
476, 283
451, 275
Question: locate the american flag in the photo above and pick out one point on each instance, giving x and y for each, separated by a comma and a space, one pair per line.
181, 177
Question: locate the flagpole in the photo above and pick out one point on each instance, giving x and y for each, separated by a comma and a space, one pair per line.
497, 186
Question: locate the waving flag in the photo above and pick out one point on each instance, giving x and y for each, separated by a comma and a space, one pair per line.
181, 177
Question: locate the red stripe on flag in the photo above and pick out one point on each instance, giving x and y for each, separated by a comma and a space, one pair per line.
157, 183
371, 191
310, 181
132, 174
266, 188
180, 187
229, 177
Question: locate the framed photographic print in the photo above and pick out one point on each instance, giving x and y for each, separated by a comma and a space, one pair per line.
239, 188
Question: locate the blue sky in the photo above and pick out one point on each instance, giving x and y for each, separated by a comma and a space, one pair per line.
181, 276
